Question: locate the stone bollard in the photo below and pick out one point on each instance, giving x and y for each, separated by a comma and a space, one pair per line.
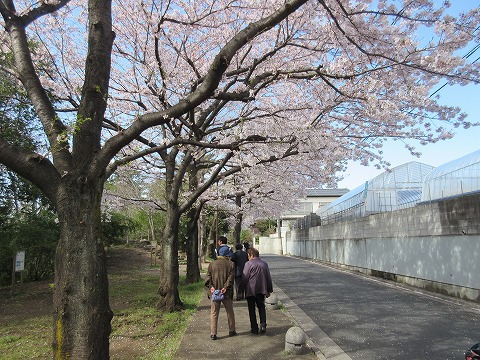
295, 341
271, 302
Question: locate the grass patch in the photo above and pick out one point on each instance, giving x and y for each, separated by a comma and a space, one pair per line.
155, 335
27, 339
139, 330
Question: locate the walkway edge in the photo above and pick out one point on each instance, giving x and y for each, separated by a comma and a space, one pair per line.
323, 346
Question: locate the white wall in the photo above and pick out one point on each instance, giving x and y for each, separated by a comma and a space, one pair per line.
434, 245
270, 245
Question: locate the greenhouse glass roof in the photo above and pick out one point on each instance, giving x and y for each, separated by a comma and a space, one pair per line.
405, 186
406, 176
394, 189
469, 160
457, 177
344, 197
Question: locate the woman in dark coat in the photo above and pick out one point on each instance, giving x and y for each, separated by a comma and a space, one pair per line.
257, 284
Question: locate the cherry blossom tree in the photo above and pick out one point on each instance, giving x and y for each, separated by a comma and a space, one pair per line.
267, 190
255, 80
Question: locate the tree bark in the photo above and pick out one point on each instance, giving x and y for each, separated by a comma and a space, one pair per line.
237, 229
212, 235
82, 313
193, 270
193, 215
169, 298
202, 237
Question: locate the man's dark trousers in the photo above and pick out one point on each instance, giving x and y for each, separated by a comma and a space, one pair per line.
258, 301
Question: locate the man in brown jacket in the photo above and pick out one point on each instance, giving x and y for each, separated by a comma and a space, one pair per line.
220, 276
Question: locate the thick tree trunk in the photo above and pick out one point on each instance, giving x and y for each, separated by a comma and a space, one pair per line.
212, 236
193, 270
193, 214
82, 313
169, 299
237, 228
203, 239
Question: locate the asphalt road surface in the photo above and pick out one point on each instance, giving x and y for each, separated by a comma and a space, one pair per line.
368, 318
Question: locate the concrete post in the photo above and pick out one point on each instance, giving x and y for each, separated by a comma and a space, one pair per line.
295, 341
271, 302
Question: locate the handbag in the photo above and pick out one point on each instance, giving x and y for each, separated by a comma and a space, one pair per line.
217, 296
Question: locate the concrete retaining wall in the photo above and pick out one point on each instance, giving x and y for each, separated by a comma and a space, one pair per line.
433, 245
270, 245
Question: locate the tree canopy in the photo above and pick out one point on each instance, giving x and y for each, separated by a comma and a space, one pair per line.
333, 80
217, 87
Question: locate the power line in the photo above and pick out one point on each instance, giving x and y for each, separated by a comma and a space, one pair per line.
466, 56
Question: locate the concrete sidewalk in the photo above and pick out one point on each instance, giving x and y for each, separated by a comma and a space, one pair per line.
196, 343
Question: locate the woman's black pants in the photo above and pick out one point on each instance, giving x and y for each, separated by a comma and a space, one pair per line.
258, 301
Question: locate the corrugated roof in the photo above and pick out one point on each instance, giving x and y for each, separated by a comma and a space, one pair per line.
325, 192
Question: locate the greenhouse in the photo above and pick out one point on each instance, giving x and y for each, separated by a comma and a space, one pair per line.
395, 189
457, 177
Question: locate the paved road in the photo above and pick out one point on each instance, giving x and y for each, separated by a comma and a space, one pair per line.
351, 316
